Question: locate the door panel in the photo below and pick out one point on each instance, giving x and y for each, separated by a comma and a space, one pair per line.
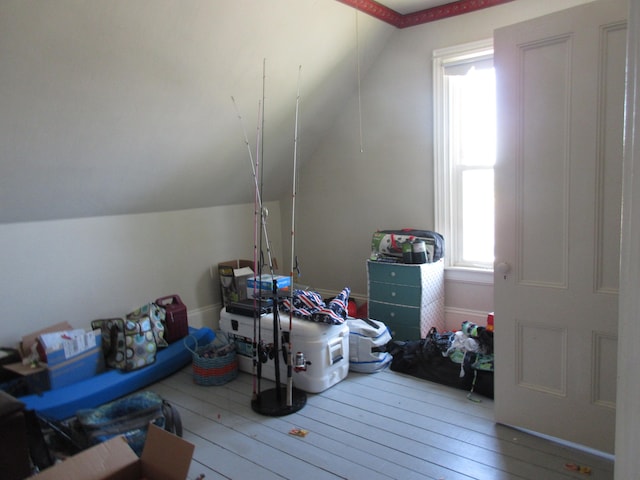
542, 166
560, 81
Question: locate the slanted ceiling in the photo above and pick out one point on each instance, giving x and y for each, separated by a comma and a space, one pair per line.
120, 107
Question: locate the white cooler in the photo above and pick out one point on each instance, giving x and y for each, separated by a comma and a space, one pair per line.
325, 348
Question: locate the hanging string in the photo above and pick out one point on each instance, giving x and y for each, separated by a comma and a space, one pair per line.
358, 68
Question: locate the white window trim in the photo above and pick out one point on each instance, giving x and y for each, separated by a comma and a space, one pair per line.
473, 276
442, 169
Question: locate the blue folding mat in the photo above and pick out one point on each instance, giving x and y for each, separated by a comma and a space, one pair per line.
62, 403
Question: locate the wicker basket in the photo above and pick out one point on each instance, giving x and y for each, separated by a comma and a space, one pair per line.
208, 367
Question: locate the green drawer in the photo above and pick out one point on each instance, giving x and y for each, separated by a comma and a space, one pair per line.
394, 293
395, 273
401, 330
398, 314
403, 333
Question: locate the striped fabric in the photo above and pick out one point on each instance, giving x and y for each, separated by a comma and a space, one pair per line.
310, 306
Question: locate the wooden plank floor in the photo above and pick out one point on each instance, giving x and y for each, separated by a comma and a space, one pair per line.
384, 425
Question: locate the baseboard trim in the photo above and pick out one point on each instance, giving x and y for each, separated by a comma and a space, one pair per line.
207, 316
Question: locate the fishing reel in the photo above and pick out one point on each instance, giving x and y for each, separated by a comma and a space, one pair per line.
300, 363
265, 352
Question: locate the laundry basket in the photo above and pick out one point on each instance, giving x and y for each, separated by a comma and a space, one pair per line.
213, 364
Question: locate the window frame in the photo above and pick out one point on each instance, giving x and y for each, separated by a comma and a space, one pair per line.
447, 193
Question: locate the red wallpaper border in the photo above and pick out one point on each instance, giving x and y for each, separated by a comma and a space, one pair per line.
399, 20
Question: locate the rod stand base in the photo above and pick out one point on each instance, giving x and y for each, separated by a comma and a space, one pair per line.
273, 402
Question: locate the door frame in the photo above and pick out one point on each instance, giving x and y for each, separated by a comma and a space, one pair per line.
627, 437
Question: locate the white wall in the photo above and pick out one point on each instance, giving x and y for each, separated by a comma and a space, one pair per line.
82, 269
345, 194
119, 107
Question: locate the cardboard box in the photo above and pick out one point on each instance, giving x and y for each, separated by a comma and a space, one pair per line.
233, 280
30, 340
63, 362
64, 344
165, 457
264, 284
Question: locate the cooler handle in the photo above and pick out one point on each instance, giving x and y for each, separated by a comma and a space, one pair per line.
335, 350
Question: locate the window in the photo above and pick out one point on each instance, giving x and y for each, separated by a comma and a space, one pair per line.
465, 152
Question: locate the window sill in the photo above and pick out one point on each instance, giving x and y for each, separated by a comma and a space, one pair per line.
469, 275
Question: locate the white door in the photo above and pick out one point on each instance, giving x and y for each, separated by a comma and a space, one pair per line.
560, 85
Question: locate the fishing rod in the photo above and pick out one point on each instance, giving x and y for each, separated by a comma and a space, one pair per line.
271, 402
256, 368
277, 327
263, 212
257, 207
261, 348
293, 236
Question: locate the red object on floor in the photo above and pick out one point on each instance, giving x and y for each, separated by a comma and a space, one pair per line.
363, 311
352, 308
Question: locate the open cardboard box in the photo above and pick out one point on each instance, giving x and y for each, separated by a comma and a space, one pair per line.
233, 280
62, 367
165, 456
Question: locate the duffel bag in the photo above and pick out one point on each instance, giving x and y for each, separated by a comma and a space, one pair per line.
390, 242
424, 359
367, 341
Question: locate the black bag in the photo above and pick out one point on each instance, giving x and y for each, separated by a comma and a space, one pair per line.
438, 343
424, 359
